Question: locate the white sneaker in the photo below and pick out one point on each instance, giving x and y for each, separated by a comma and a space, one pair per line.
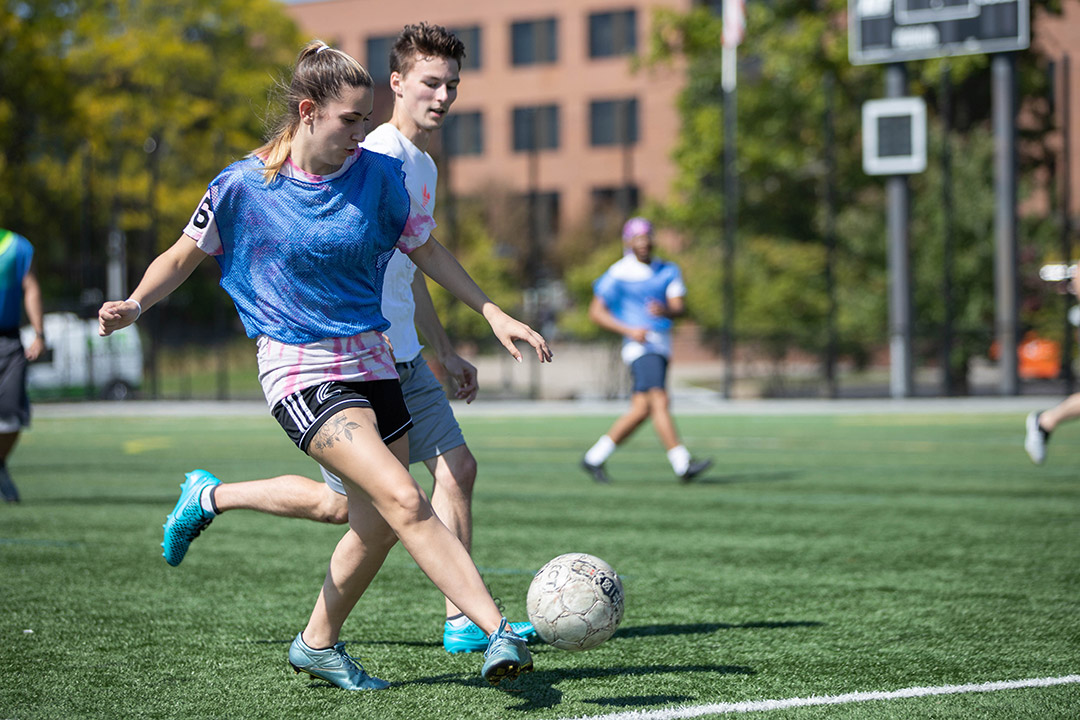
1035, 439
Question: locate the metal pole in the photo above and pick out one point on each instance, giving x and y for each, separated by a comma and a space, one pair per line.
947, 386
1066, 240
731, 222
898, 201
830, 237
534, 269
622, 132
1003, 70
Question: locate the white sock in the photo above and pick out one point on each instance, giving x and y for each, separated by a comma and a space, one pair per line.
458, 621
205, 501
679, 457
601, 451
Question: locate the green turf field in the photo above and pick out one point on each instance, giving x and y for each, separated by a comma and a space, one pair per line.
823, 555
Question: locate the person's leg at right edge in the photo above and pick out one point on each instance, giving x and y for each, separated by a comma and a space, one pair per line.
1040, 425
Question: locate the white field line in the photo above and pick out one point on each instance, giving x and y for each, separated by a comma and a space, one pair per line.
764, 705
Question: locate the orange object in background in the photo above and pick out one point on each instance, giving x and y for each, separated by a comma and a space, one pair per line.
1037, 358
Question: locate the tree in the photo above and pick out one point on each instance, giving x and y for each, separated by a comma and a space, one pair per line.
134, 107
793, 52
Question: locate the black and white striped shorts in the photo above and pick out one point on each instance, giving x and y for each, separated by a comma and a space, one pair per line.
304, 412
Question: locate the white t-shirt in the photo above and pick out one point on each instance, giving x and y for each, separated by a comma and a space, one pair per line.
421, 175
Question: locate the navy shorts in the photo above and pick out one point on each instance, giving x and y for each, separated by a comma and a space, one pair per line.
649, 371
303, 413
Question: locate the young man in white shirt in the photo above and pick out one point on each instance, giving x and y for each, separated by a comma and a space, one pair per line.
425, 63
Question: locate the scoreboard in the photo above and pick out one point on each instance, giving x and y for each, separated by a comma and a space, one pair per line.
889, 31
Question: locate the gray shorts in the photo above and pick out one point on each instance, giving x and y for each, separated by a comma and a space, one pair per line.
14, 403
435, 430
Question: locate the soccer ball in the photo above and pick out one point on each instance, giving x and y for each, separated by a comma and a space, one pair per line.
575, 602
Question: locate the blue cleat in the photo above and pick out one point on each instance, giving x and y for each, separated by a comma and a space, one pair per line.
187, 519
470, 638
332, 665
506, 656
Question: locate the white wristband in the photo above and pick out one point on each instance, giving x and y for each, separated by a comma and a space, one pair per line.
137, 306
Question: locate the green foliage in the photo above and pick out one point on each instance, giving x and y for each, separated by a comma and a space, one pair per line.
579, 278
793, 68
135, 107
475, 248
38, 131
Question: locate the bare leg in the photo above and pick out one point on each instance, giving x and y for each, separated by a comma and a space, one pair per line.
660, 411
7, 486
349, 446
7, 443
1068, 409
354, 564
287, 496
625, 426
451, 497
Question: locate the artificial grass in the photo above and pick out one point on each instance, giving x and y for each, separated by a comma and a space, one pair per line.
822, 555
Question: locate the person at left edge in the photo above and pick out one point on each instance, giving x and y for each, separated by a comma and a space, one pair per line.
19, 290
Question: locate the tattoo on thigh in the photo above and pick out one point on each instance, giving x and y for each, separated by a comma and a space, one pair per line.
335, 430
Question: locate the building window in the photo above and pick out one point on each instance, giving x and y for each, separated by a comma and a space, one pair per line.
613, 122
463, 134
536, 128
542, 210
612, 33
612, 205
534, 42
378, 57
470, 37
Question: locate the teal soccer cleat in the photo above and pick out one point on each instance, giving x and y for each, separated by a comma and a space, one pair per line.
187, 519
470, 638
332, 665
506, 656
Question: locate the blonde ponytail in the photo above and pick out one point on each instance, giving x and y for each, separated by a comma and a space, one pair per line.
319, 75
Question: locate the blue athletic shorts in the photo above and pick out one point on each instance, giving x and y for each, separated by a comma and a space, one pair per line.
435, 430
649, 371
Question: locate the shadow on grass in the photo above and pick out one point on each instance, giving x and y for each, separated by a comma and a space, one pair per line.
357, 643
537, 691
636, 701
705, 628
620, 634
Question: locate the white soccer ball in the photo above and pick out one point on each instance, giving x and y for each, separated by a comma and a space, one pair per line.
575, 602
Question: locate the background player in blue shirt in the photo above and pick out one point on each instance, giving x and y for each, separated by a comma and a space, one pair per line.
637, 298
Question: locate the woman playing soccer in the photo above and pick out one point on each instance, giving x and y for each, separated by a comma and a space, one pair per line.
302, 229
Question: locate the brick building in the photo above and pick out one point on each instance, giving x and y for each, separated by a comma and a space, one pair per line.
550, 105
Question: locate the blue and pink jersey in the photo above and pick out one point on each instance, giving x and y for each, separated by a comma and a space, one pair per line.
303, 259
